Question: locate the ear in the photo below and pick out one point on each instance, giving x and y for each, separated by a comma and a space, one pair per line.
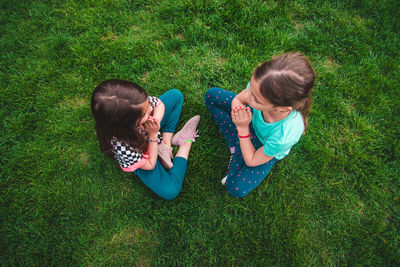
284, 109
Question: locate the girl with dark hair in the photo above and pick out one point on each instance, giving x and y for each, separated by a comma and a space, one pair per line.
263, 122
127, 123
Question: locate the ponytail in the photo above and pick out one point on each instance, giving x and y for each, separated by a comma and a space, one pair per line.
303, 106
288, 81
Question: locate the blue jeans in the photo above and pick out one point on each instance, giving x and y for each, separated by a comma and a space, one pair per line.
241, 179
167, 183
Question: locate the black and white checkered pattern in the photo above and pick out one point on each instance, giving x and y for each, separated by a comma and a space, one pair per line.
153, 101
125, 154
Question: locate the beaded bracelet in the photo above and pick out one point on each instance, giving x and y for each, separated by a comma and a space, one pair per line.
154, 141
246, 136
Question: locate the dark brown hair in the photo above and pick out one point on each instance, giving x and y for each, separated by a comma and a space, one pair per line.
287, 80
117, 113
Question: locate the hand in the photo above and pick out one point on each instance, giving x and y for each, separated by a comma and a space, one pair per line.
240, 99
151, 126
237, 104
241, 116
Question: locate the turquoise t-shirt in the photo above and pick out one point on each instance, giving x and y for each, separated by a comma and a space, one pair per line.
278, 137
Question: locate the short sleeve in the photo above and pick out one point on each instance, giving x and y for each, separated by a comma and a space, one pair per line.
273, 148
154, 101
129, 158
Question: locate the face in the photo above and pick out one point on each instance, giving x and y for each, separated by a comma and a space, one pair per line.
147, 109
255, 98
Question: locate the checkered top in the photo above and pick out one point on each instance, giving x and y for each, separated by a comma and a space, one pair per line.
124, 153
153, 101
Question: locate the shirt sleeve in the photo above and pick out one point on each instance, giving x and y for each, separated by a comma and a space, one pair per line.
273, 148
154, 101
137, 165
129, 158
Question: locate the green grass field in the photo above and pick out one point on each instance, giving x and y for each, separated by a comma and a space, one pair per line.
335, 200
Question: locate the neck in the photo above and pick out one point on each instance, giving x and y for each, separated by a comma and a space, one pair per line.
274, 116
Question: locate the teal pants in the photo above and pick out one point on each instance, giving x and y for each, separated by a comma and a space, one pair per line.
167, 183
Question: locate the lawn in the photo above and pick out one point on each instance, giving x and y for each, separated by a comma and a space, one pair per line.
335, 200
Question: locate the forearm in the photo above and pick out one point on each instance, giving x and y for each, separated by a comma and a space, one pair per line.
252, 157
152, 151
246, 146
158, 112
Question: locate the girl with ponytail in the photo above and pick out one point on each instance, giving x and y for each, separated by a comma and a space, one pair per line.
264, 121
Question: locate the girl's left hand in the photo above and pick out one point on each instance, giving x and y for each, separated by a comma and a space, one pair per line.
241, 116
151, 126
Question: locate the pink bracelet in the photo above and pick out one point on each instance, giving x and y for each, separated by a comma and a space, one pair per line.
246, 136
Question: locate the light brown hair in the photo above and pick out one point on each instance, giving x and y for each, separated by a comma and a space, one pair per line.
287, 80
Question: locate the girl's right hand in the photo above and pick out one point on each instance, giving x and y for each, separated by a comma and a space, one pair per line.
151, 126
241, 117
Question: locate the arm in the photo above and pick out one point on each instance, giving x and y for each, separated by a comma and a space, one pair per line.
151, 126
242, 117
251, 156
158, 112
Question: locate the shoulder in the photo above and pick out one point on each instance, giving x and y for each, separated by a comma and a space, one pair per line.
287, 130
120, 148
154, 101
128, 157
294, 123
287, 134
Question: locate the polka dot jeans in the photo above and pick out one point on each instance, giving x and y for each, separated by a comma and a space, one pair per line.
241, 179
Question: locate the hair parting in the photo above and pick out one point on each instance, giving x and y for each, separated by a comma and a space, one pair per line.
117, 110
288, 80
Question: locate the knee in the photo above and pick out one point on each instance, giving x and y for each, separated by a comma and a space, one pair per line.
237, 191
170, 192
176, 94
211, 93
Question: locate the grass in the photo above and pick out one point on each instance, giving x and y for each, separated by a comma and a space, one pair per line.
333, 201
